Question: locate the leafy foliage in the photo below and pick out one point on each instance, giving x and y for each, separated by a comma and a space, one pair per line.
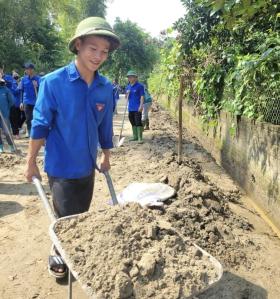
38, 31
231, 56
236, 12
27, 33
195, 27
165, 77
138, 51
254, 77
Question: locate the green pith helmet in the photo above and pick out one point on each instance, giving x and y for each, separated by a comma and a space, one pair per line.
131, 73
94, 26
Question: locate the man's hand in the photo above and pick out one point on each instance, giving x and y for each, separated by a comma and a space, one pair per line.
35, 84
140, 108
32, 170
105, 161
141, 104
21, 107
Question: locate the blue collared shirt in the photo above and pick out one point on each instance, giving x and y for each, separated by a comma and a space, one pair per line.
135, 92
28, 89
16, 93
73, 117
11, 84
6, 101
9, 80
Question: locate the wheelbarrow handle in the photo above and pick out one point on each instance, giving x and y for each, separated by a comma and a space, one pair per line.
44, 198
111, 187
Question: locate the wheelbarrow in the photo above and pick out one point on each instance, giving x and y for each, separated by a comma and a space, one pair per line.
54, 220
70, 263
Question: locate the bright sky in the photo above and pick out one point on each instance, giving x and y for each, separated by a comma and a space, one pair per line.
151, 15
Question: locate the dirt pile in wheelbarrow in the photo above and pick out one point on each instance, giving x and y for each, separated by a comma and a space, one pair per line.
125, 252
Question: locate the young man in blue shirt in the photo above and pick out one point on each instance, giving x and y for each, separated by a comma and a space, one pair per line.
147, 105
6, 102
135, 95
15, 115
73, 113
8, 78
29, 86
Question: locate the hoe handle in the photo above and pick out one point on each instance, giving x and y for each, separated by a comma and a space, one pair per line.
125, 109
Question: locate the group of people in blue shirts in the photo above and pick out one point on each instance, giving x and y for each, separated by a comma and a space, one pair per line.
17, 100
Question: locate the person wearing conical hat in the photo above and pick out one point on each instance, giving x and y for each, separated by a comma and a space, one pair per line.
72, 115
135, 96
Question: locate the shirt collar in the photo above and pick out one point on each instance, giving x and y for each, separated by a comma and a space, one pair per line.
134, 84
98, 79
73, 74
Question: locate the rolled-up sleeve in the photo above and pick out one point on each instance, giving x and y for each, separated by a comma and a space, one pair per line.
141, 90
44, 111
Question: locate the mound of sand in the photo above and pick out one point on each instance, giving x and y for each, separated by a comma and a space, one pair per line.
126, 252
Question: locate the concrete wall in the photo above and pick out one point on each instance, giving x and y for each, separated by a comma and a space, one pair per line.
249, 151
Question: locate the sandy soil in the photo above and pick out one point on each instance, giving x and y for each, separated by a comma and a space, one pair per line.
129, 260
225, 225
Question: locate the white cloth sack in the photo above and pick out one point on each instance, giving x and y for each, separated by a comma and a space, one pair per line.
146, 194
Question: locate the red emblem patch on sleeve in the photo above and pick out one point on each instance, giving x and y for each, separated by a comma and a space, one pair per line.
100, 106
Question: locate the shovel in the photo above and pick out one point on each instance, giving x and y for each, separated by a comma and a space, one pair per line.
6, 128
118, 141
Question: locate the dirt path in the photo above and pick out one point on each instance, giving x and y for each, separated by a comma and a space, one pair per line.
233, 232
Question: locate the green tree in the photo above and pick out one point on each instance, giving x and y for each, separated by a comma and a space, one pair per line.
231, 57
196, 26
28, 33
237, 12
138, 51
94, 8
40, 30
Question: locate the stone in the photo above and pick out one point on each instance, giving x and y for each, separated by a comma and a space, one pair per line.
124, 287
147, 264
164, 179
134, 271
151, 232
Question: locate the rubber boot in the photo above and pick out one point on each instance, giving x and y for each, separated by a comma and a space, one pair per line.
140, 134
134, 132
143, 124
1, 148
147, 124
